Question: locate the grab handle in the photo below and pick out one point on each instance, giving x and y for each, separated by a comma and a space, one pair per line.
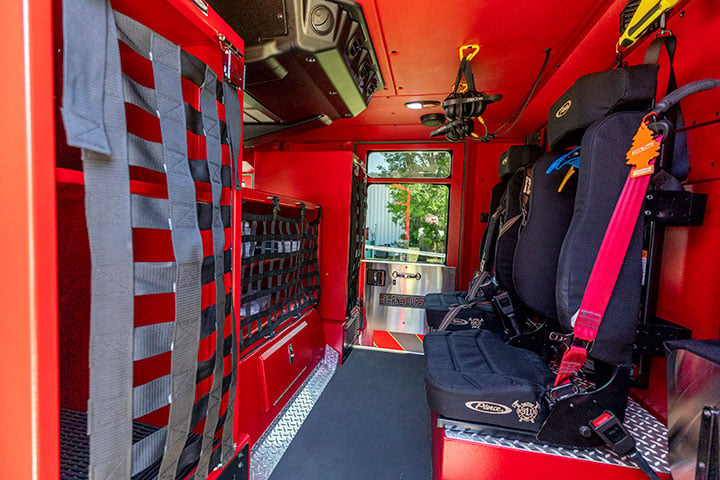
416, 276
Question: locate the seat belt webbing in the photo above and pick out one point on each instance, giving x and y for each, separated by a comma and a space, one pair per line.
604, 274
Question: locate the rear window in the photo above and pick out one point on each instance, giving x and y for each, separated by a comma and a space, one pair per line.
409, 164
407, 222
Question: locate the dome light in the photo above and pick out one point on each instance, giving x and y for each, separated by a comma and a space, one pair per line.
420, 104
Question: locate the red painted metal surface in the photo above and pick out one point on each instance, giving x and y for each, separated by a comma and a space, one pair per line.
481, 174
28, 287
282, 364
253, 418
511, 35
461, 460
323, 178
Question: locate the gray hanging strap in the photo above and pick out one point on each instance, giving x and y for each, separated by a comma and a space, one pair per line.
211, 127
233, 119
94, 117
187, 243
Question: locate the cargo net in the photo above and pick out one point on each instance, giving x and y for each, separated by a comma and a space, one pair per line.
280, 274
358, 208
162, 372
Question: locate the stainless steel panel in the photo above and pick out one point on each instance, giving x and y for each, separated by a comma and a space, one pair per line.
693, 385
415, 279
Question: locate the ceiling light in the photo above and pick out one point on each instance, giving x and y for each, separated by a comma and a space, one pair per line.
420, 104
432, 119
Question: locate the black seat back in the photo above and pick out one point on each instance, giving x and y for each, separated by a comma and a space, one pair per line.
547, 218
601, 179
511, 171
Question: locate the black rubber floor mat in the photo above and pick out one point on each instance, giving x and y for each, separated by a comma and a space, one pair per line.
371, 422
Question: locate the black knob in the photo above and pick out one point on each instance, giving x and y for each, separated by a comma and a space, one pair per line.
322, 20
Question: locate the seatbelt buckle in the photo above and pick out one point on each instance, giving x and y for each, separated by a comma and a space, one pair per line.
503, 304
611, 430
563, 391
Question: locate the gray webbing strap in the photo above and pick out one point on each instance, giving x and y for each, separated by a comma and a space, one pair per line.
139, 95
94, 117
155, 277
480, 278
450, 316
187, 245
144, 153
151, 396
151, 340
148, 212
148, 450
136, 35
211, 127
233, 120
489, 247
228, 442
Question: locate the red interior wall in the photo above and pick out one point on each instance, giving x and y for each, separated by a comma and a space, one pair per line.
689, 281
481, 175
323, 178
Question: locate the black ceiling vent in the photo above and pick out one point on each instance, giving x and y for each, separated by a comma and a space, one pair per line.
305, 60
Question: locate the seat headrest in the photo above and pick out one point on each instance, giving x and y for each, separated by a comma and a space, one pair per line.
597, 95
516, 157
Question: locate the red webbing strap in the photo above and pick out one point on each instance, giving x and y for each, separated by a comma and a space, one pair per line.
604, 273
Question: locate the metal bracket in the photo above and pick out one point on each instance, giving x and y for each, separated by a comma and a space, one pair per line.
233, 65
708, 464
675, 208
652, 336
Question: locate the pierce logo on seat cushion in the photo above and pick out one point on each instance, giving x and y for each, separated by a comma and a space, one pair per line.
563, 109
488, 407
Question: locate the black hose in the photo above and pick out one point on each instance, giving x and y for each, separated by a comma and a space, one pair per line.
701, 85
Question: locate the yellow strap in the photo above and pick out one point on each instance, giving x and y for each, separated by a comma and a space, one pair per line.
569, 174
474, 49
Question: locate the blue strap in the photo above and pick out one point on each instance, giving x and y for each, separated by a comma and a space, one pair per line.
570, 158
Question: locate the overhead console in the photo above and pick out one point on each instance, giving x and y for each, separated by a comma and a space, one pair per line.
308, 62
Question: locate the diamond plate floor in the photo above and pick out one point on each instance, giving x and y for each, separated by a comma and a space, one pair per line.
269, 449
649, 434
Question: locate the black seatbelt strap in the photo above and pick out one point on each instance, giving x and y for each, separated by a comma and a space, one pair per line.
680, 163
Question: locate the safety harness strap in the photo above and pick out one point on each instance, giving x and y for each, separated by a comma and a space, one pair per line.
94, 118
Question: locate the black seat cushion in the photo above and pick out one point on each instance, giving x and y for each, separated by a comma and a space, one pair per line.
475, 376
482, 315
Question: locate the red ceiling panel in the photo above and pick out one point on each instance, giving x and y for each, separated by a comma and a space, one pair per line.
417, 45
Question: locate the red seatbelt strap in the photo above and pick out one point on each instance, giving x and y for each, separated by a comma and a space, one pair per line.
605, 271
